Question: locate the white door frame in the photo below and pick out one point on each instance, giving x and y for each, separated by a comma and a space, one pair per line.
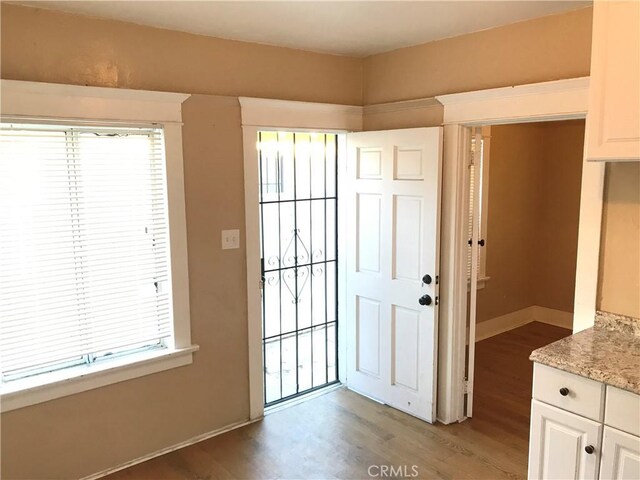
265, 114
558, 100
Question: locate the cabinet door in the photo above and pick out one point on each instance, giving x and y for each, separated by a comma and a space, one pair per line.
613, 121
558, 444
620, 455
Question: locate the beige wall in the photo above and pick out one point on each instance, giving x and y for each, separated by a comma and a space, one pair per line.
375, 118
533, 210
113, 424
548, 48
619, 282
515, 180
81, 434
47, 46
557, 240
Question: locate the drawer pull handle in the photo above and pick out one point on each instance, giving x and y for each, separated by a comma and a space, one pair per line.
589, 449
564, 391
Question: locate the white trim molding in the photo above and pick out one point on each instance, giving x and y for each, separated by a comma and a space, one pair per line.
172, 448
513, 320
77, 102
48, 102
262, 112
42, 388
404, 114
453, 271
401, 106
589, 236
254, 291
558, 100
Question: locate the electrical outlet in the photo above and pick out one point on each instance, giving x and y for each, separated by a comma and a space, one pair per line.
230, 239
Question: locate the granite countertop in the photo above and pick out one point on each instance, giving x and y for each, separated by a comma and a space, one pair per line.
609, 352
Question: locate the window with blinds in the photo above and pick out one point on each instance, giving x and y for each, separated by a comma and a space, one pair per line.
84, 254
475, 183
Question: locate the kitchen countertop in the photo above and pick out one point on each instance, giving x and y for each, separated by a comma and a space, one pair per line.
609, 352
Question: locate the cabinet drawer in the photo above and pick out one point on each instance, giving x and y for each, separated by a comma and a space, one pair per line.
622, 410
568, 391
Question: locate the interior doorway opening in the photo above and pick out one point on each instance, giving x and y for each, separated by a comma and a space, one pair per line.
298, 202
524, 204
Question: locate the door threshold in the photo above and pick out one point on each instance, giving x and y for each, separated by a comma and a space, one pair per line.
318, 392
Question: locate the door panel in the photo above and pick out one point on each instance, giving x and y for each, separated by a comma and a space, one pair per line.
393, 202
368, 218
620, 455
406, 358
558, 441
368, 336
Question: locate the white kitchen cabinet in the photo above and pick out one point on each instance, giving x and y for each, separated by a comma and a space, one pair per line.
613, 119
580, 430
560, 442
620, 455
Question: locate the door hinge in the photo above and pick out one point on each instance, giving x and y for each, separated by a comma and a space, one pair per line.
466, 386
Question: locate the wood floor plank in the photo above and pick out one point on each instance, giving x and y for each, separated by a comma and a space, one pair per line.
341, 434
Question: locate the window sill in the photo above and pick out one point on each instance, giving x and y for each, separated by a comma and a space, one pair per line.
42, 388
482, 282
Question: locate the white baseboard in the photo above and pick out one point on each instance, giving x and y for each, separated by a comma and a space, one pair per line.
177, 446
510, 321
504, 323
551, 316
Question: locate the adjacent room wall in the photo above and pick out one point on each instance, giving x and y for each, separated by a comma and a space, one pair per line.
538, 50
48, 46
515, 180
556, 242
533, 211
619, 279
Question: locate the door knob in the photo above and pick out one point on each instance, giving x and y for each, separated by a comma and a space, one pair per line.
426, 279
589, 449
424, 300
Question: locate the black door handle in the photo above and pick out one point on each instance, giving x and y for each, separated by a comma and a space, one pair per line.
424, 300
426, 279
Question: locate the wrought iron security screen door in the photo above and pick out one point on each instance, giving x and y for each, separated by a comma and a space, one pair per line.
298, 220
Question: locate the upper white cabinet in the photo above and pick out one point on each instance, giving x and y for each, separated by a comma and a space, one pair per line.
613, 120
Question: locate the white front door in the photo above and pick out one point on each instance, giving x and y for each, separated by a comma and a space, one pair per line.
392, 197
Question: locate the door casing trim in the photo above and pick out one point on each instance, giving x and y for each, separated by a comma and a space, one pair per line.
557, 100
262, 115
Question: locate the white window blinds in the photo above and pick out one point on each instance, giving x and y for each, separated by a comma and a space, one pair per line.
84, 254
475, 184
